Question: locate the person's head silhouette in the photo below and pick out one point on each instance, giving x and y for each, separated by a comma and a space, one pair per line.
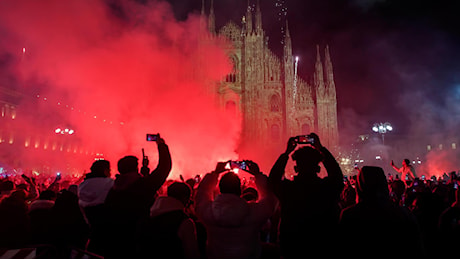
100, 168
230, 183
180, 191
372, 184
128, 164
307, 160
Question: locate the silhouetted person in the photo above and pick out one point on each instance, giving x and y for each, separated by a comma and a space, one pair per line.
309, 204
368, 228
407, 171
41, 218
169, 232
233, 225
92, 193
6, 188
348, 196
70, 229
449, 228
427, 208
397, 189
130, 199
15, 223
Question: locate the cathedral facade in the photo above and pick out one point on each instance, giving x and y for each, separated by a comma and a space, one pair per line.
275, 103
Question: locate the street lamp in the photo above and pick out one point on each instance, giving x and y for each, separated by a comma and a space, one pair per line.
382, 128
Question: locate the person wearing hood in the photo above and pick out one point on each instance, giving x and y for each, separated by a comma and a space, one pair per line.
169, 232
92, 193
369, 227
131, 197
233, 225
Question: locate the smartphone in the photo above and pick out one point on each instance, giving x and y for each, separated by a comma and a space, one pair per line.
239, 164
152, 137
304, 139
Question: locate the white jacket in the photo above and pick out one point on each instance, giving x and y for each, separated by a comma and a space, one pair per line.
92, 192
233, 225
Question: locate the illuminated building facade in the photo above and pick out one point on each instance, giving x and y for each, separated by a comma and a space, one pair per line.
274, 102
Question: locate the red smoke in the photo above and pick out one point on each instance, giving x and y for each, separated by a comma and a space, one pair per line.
140, 72
439, 162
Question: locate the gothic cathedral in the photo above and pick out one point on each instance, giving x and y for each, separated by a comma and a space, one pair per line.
274, 103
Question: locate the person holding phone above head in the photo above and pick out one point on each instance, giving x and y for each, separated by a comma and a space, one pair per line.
233, 224
309, 204
407, 171
131, 197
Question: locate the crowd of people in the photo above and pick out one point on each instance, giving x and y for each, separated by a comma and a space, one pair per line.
140, 213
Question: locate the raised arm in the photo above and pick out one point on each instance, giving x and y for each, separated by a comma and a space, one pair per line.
267, 203
394, 167
334, 173
159, 175
204, 194
277, 171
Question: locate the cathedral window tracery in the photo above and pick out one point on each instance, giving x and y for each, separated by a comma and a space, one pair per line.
275, 103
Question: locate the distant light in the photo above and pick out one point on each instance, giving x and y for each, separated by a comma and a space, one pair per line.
66, 130
24, 50
375, 129
296, 58
389, 128
378, 157
71, 132
57, 131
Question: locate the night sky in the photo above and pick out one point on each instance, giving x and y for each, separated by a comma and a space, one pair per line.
395, 60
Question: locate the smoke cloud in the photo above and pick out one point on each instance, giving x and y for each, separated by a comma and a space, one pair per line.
113, 75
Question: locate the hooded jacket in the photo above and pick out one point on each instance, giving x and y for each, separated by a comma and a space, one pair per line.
233, 225
375, 220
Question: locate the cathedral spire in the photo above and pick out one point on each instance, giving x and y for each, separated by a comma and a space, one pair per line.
287, 43
258, 19
249, 19
329, 72
212, 19
319, 76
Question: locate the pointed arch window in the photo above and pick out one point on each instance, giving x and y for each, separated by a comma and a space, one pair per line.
275, 103
275, 132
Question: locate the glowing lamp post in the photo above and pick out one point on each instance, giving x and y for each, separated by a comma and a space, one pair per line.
63, 131
382, 128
